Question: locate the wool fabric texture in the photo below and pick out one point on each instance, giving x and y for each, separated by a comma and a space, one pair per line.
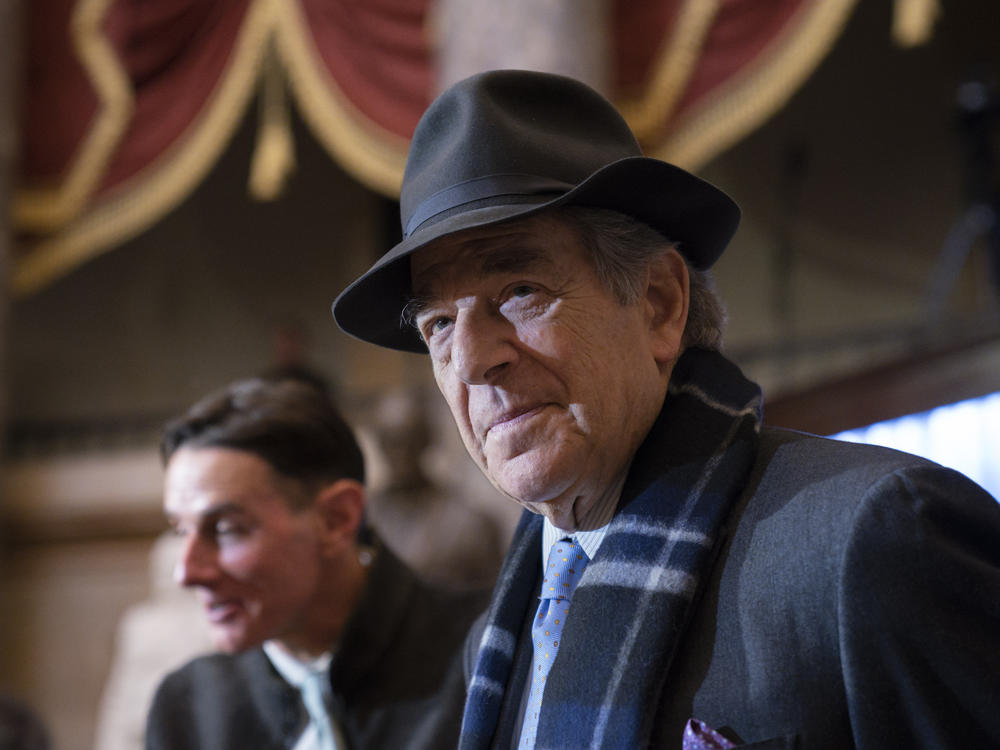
635, 596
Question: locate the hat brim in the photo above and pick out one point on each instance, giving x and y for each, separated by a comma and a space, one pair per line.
685, 209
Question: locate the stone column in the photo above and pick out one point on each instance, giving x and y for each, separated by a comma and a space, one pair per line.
570, 37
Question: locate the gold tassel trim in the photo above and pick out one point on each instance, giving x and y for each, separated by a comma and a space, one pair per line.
913, 21
274, 155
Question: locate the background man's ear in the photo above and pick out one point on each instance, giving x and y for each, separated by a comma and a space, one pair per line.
666, 299
341, 506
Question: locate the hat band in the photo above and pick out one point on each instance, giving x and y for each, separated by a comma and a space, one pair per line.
490, 186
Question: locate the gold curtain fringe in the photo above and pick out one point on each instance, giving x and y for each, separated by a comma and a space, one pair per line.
913, 21
49, 209
676, 61
145, 199
373, 155
370, 153
759, 90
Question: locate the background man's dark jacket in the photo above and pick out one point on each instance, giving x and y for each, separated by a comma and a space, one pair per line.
395, 676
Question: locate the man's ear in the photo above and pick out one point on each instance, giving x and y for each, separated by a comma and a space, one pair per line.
340, 507
666, 299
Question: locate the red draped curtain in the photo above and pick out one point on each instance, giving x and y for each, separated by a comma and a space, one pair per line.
129, 103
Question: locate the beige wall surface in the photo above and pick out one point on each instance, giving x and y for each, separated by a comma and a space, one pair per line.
61, 604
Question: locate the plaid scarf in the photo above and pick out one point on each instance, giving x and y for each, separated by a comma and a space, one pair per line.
636, 595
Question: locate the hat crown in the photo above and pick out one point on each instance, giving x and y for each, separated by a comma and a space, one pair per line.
505, 145
510, 122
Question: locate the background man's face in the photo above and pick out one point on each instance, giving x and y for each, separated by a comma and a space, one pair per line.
253, 561
549, 378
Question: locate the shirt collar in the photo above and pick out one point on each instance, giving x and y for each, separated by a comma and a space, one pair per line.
295, 671
589, 540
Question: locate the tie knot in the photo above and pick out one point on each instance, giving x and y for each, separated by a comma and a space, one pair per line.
564, 569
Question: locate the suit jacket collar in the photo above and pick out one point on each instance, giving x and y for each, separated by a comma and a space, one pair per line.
276, 703
375, 623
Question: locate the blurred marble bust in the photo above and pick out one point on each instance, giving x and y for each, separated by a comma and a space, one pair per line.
431, 523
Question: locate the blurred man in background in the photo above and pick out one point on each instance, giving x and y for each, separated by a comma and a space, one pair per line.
327, 642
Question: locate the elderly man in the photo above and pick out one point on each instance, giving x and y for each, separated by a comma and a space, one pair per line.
329, 645
730, 583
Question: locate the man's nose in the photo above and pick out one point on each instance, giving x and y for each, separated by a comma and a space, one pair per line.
196, 565
482, 345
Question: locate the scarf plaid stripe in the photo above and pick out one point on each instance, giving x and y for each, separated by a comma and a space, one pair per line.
635, 597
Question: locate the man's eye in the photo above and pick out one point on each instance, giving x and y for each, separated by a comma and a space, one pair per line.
228, 528
436, 325
522, 290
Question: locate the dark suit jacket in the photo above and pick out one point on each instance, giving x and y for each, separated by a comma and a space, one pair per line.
395, 676
855, 602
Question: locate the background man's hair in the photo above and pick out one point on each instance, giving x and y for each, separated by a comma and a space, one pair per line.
291, 424
622, 249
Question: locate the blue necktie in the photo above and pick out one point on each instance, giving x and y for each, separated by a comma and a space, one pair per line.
563, 571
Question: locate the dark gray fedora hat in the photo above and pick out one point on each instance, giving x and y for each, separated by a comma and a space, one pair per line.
509, 143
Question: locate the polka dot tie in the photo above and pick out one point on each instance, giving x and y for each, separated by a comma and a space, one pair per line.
563, 571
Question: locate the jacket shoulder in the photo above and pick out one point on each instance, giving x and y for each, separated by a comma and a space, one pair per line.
222, 701
799, 460
841, 567
213, 671
824, 493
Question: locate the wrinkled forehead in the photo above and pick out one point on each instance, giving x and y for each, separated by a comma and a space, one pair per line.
539, 243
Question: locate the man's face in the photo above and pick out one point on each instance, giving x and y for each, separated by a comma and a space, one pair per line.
552, 382
254, 562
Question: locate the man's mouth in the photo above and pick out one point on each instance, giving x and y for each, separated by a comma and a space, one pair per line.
513, 418
219, 611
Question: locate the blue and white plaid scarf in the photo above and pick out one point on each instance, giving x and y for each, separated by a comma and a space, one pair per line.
635, 597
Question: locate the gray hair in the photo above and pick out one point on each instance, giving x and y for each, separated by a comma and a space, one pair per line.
623, 249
